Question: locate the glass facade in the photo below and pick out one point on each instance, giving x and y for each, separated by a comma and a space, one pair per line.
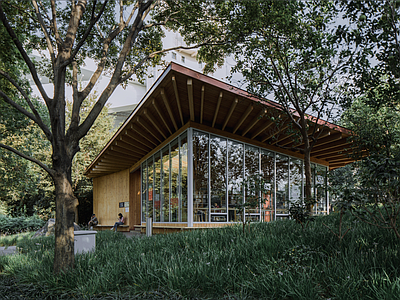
230, 181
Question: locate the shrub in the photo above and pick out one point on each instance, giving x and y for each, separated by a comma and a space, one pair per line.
9, 225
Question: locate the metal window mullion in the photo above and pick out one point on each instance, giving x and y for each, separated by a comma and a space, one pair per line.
189, 180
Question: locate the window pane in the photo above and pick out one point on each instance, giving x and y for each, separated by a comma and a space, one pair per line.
144, 191
282, 176
267, 197
157, 187
184, 176
174, 201
235, 179
165, 185
320, 189
200, 176
296, 176
218, 175
251, 173
150, 201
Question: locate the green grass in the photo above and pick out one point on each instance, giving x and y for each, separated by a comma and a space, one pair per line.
277, 260
10, 225
12, 240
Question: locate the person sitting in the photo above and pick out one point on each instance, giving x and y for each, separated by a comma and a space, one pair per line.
120, 222
93, 221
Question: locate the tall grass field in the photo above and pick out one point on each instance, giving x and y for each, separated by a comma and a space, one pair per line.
277, 260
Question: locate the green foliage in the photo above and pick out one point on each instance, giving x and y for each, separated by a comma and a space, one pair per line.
277, 260
9, 225
13, 239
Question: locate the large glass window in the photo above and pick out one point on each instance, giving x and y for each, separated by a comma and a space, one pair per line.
174, 201
165, 185
296, 176
268, 175
183, 204
252, 178
144, 190
320, 190
157, 188
150, 202
218, 179
235, 179
200, 177
282, 184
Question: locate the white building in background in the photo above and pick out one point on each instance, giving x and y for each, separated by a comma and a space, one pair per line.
123, 100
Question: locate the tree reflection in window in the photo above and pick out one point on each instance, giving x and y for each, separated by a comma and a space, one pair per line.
251, 168
235, 179
144, 191
174, 201
320, 189
200, 177
296, 176
267, 173
282, 182
183, 154
157, 187
218, 177
150, 169
165, 185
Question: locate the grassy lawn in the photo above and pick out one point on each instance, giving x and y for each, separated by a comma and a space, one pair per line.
277, 260
12, 240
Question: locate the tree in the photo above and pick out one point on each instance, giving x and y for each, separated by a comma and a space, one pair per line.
289, 50
122, 39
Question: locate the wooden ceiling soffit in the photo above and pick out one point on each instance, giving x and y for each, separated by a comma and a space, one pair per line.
153, 102
166, 103
112, 164
329, 139
262, 128
217, 108
146, 126
119, 158
337, 154
152, 121
319, 148
339, 164
261, 115
283, 128
202, 104
127, 139
341, 148
244, 117
339, 160
190, 98
309, 134
111, 160
129, 147
108, 169
178, 103
144, 136
228, 116
120, 150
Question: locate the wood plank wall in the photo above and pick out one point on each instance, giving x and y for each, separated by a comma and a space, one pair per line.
108, 191
134, 199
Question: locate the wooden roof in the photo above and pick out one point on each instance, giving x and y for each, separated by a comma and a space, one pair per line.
183, 98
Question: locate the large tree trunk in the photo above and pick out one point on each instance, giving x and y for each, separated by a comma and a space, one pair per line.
66, 203
307, 170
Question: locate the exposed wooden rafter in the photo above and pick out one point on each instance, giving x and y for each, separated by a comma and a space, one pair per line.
190, 98
153, 102
217, 108
244, 117
144, 136
261, 115
164, 97
178, 103
132, 143
152, 121
137, 140
262, 128
146, 126
202, 104
228, 116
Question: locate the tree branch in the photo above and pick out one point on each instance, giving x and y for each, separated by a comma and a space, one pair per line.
35, 116
54, 24
46, 34
39, 163
25, 56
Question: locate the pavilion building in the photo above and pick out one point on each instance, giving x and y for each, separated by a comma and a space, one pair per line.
184, 154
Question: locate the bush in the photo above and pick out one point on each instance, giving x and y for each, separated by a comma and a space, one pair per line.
9, 225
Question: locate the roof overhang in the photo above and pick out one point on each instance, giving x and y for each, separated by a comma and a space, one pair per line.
182, 97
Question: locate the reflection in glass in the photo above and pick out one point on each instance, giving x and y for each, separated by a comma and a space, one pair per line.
157, 187
320, 189
144, 191
150, 170
235, 179
200, 176
218, 178
251, 172
282, 182
183, 204
174, 201
165, 185
296, 176
267, 173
